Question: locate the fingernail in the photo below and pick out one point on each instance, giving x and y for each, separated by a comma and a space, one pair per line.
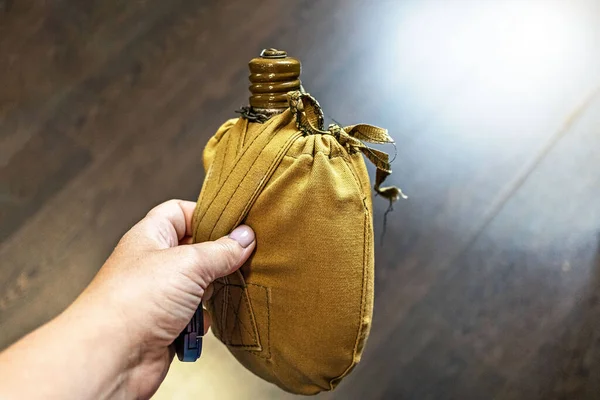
243, 234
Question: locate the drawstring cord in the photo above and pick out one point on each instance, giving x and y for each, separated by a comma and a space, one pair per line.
309, 120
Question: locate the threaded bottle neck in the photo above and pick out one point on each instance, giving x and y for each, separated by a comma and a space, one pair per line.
272, 75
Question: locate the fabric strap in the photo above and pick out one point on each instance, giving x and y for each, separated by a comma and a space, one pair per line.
227, 207
309, 120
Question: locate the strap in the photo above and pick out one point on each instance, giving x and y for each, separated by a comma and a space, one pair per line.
242, 166
309, 120
245, 177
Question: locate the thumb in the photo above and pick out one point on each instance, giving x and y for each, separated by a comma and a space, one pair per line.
208, 261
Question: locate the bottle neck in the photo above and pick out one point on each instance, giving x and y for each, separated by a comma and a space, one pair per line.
272, 76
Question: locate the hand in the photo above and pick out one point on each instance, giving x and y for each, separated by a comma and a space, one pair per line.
115, 340
155, 280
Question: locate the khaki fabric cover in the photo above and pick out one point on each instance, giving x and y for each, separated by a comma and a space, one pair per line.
298, 313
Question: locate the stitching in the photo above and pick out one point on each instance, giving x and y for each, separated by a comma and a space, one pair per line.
228, 139
225, 137
357, 181
353, 363
230, 306
231, 171
255, 335
336, 380
240, 156
328, 155
239, 321
227, 334
214, 301
276, 161
268, 297
253, 331
242, 137
224, 308
203, 194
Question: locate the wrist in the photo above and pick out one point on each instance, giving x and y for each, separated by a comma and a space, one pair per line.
98, 339
86, 355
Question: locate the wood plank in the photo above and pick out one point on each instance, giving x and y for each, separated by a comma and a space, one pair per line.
459, 168
131, 127
132, 91
72, 42
504, 304
38, 171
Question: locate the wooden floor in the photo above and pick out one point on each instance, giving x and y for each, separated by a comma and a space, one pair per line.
488, 279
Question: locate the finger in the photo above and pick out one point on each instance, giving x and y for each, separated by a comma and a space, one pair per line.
207, 321
178, 213
211, 260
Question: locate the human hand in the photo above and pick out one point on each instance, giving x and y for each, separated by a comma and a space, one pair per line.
153, 283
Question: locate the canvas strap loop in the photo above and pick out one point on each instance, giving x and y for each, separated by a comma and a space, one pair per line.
309, 120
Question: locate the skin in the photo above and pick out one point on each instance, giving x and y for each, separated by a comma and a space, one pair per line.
115, 340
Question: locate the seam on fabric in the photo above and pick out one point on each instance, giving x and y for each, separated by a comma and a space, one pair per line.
255, 335
207, 178
334, 382
242, 139
268, 175
265, 126
225, 308
253, 330
230, 172
238, 320
224, 158
268, 347
215, 299
225, 138
228, 338
254, 327
357, 181
328, 155
277, 161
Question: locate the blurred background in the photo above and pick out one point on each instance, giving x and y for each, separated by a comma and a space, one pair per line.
488, 279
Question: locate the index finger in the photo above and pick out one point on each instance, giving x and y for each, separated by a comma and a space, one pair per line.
178, 213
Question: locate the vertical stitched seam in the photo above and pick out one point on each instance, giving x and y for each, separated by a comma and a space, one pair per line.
256, 336
223, 308
364, 283
228, 139
253, 331
268, 297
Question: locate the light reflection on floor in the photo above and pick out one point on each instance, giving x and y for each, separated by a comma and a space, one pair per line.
216, 375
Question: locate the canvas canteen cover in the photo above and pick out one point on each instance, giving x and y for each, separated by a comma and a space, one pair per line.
298, 312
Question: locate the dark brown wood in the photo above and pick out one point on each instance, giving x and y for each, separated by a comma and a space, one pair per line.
487, 277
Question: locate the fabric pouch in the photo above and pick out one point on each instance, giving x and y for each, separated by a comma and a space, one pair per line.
299, 311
